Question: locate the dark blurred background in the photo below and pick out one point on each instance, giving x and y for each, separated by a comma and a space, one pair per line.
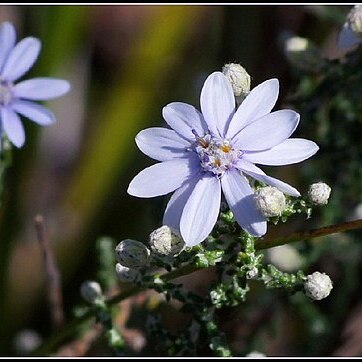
125, 62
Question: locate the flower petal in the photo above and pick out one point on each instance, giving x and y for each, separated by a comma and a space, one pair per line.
268, 131
347, 38
12, 126
34, 112
217, 103
161, 144
184, 118
201, 210
41, 89
7, 41
164, 177
177, 203
240, 198
21, 59
259, 102
258, 174
292, 150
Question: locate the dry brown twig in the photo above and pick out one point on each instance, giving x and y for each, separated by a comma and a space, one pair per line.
53, 276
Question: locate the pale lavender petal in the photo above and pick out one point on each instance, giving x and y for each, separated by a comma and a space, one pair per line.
34, 112
347, 38
259, 102
21, 59
292, 150
201, 210
164, 177
41, 89
177, 203
7, 41
12, 126
184, 118
268, 131
217, 103
256, 173
161, 144
240, 198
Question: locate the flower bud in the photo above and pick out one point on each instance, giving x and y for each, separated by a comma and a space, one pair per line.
91, 291
270, 201
302, 53
132, 253
239, 79
318, 286
127, 275
166, 241
318, 193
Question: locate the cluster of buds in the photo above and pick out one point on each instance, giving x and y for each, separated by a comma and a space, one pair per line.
132, 255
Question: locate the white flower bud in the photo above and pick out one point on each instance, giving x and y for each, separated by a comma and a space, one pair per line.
270, 201
354, 19
166, 241
302, 53
318, 193
132, 253
318, 286
90, 291
127, 275
238, 77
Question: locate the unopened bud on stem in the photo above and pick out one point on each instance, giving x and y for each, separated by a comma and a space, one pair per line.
270, 201
239, 79
318, 286
127, 275
91, 291
166, 241
319, 193
132, 253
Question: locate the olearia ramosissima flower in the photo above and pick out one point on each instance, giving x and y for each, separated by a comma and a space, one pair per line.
205, 154
351, 33
17, 98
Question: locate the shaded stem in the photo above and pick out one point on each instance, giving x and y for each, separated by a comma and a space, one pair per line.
309, 234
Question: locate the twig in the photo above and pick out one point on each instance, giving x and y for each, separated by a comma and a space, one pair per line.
53, 276
309, 234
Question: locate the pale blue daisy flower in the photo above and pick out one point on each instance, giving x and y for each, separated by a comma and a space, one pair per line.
17, 98
209, 153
